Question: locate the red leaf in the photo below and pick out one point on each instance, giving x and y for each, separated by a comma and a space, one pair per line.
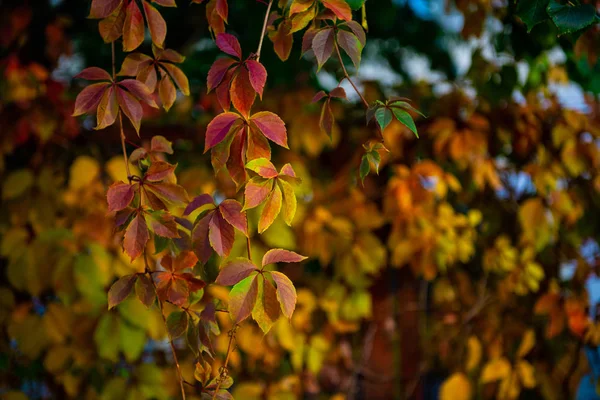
185, 260
242, 93
222, 90
136, 237
258, 76
111, 28
147, 75
215, 21
168, 54
236, 157
200, 242
103, 8
169, 192
326, 120
144, 290
94, 74
170, 288
319, 96
232, 212
133, 63
322, 45
221, 235
162, 224
218, 128
165, 3
282, 40
89, 98
307, 39
262, 167
198, 202
257, 190
338, 93
133, 27
235, 271
194, 283
139, 90
288, 170
286, 293
108, 109
156, 24
167, 92
351, 45
160, 144
158, 171
119, 196
222, 9
131, 108
122, 216
120, 290
281, 256
271, 209
358, 31
271, 126
178, 77
229, 44
340, 8
218, 71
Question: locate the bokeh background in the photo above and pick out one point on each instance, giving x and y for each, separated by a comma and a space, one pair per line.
465, 269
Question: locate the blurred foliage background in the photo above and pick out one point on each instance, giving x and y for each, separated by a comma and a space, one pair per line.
467, 268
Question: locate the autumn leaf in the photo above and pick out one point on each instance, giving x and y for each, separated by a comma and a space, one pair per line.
281, 256
144, 290
174, 284
322, 45
242, 299
119, 196
136, 237
177, 323
286, 293
120, 290
266, 311
235, 271
340, 8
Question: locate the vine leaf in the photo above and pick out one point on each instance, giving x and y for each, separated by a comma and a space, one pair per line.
235, 271
144, 290
120, 195
242, 299
174, 284
286, 293
340, 8
120, 290
266, 310
281, 256
177, 323
136, 237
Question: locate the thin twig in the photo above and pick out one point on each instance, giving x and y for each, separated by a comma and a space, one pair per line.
264, 30
339, 55
249, 248
162, 314
114, 77
227, 357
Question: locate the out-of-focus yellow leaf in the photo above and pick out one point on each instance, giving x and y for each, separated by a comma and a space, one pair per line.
84, 171
248, 391
526, 374
16, 183
527, 343
456, 387
474, 351
495, 370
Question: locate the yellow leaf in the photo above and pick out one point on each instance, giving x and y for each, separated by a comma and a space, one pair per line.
456, 387
473, 353
83, 171
16, 183
526, 374
117, 171
248, 391
495, 370
526, 344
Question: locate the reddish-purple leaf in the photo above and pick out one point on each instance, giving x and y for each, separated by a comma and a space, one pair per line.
326, 119
319, 96
286, 293
322, 45
262, 167
307, 39
171, 288
222, 9
258, 76
235, 271
156, 24
120, 290
221, 235
133, 27
133, 63
168, 192
108, 109
236, 156
122, 216
165, 3
358, 31
119, 196
89, 98
168, 55
218, 128
242, 299
338, 93
144, 290
288, 170
94, 74
200, 242
139, 90
281, 256
242, 93
160, 144
198, 202
178, 77
218, 71
111, 27
147, 75
229, 44
271, 209
257, 190
340, 8
103, 8
136, 237
162, 224
231, 210
351, 45
158, 171
131, 107
222, 90
271, 126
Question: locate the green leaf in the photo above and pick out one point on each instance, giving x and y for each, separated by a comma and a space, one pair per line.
532, 12
406, 106
383, 116
375, 159
177, 323
405, 118
192, 338
242, 298
365, 167
355, 4
266, 310
569, 19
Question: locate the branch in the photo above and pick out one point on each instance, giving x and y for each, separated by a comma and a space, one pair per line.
223, 369
160, 307
264, 30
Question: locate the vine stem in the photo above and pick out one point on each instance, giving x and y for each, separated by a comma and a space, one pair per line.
227, 357
114, 77
249, 248
264, 30
162, 314
339, 55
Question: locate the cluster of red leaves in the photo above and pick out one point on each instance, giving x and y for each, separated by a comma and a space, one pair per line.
125, 18
217, 12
